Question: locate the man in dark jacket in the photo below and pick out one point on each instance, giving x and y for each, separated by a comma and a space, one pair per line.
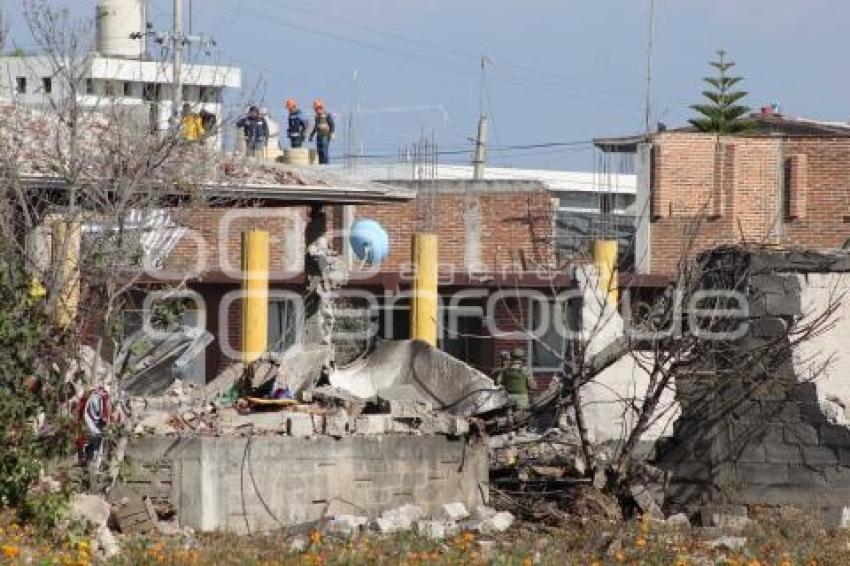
296, 129
256, 131
323, 131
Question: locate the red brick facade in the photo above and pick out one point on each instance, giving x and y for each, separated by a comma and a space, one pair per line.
513, 229
710, 190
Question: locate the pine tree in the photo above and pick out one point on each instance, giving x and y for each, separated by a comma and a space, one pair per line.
723, 115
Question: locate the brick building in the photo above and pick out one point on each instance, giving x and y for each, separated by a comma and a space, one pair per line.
787, 182
495, 237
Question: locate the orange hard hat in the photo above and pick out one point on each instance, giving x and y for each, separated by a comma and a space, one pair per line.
291, 104
318, 103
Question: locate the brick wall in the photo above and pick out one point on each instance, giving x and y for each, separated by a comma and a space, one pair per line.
511, 224
709, 190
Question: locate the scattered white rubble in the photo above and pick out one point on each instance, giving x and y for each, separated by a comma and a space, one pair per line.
447, 520
678, 520
346, 525
436, 530
498, 523
298, 544
452, 512
95, 510
731, 543
399, 519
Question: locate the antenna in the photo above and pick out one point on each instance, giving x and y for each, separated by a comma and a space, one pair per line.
648, 116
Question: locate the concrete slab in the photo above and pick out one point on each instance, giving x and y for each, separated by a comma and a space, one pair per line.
415, 371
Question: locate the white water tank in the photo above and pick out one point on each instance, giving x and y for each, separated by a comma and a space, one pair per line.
116, 21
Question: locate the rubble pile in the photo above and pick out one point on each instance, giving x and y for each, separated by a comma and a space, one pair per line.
449, 520
235, 168
280, 394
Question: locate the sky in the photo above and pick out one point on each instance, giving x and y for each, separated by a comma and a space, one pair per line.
560, 71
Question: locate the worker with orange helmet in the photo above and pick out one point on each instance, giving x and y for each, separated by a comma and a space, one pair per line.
323, 131
297, 128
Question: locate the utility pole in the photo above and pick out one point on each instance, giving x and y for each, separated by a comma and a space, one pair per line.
178, 39
648, 117
480, 160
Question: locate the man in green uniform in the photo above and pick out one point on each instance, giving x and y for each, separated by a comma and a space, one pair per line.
516, 380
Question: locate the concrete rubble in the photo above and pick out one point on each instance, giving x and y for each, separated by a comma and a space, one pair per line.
448, 520
282, 401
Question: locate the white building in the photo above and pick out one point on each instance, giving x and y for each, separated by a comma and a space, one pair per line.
118, 72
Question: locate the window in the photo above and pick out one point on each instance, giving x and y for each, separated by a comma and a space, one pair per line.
148, 92
47, 85
606, 203
21, 84
204, 94
547, 351
109, 88
283, 324
128, 88
89, 86
461, 332
577, 200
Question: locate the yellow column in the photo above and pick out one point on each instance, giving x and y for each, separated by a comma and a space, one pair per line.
66, 248
255, 302
423, 307
605, 260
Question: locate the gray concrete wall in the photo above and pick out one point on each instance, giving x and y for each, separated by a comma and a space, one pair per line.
260, 483
769, 433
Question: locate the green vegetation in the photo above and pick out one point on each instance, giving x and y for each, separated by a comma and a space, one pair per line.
722, 114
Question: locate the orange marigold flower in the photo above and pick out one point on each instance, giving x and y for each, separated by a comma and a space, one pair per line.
315, 537
10, 551
640, 542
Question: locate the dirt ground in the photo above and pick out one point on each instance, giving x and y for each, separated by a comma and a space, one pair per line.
784, 538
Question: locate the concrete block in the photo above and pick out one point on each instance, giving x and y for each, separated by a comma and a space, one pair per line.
390, 525
729, 543
819, 455
452, 512
318, 424
834, 435
646, 501
725, 517
805, 476
399, 519
783, 453
436, 530
91, 508
346, 525
409, 408
372, 424
482, 512
800, 433
750, 453
692, 471
678, 520
337, 424
498, 523
766, 474
299, 424
401, 426
837, 476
